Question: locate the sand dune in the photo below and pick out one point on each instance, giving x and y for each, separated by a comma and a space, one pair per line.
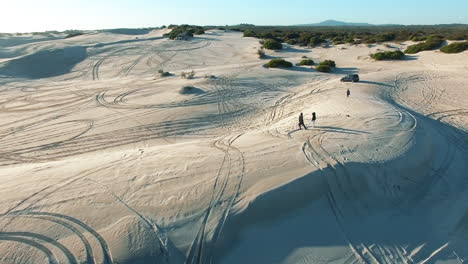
104, 161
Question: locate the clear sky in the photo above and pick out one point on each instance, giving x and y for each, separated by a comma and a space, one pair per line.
41, 15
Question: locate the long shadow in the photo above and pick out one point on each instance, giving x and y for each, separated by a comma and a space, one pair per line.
409, 58
300, 69
341, 130
100, 45
70, 257
377, 83
345, 70
128, 31
44, 64
292, 49
288, 205
330, 129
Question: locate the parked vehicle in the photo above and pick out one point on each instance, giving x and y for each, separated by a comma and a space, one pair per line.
350, 78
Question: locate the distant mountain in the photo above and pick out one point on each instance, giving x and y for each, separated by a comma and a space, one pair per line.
334, 23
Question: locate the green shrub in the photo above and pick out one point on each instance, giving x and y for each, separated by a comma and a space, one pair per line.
185, 29
388, 55
306, 62
249, 33
323, 68
279, 63
455, 47
314, 41
272, 44
199, 31
431, 43
328, 63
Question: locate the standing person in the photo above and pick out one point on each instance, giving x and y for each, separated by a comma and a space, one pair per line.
301, 121
314, 117
348, 93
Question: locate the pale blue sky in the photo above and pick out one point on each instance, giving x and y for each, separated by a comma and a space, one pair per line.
41, 15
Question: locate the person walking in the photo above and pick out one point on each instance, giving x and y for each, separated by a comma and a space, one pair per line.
314, 117
348, 93
301, 121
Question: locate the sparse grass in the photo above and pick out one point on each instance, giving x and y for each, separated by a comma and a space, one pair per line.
456, 47
279, 63
388, 55
187, 75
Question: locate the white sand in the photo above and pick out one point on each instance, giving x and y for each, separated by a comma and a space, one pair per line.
104, 161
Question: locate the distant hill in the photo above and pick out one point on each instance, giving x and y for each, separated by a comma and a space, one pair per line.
335, 23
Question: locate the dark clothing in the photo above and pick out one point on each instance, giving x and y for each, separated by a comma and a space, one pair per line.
313, 117
348, 93
301, 122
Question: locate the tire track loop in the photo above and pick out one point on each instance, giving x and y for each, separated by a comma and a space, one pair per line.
202, 248
28, 202
49, 255
33, 238
162, 238
100, 61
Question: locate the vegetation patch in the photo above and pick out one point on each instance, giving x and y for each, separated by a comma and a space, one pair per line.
279, 63
328, 63
272, 44
316, 36
431, 43
323, 68
308, 62
190, 90
74, 34
162, 73
388, 55
455, 47
187, 75
187, 30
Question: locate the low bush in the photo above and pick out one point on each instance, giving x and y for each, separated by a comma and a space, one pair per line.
185, 29
162, 73
455, 47
279, 63
191, 90
431, 43
323, 68
75, 34
306, 62
272, 44
328, 63
388, 55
